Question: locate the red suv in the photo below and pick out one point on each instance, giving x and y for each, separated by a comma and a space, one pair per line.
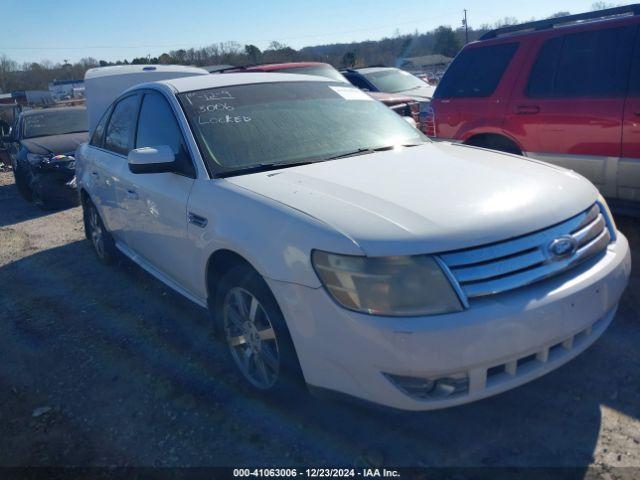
564, 90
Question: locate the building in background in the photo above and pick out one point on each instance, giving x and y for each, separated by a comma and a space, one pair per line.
431, 66
67, 89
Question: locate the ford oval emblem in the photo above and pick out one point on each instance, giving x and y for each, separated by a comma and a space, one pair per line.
563, 246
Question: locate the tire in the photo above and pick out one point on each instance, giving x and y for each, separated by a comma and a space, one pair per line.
495, 142
255, 335
101, 240
21, 183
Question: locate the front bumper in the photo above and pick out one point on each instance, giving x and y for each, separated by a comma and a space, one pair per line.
54, 183
546, 324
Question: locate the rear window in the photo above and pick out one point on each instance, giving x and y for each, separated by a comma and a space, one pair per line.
476, 72
320, 70
583, 64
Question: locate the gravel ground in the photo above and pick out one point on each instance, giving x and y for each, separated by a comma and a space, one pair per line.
106, 366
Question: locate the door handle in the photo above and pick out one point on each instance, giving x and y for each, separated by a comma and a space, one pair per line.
637, 113
527, 109
95, 175
197, 220
132, 194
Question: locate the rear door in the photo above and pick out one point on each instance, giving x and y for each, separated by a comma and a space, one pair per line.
154, 205
108, 159
629, 166
575, 97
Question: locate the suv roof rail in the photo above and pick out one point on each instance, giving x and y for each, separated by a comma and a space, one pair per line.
631, 10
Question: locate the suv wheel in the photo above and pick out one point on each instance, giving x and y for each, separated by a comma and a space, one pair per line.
257, 338
101, 240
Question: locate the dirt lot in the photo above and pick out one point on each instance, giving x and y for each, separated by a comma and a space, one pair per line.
106, 366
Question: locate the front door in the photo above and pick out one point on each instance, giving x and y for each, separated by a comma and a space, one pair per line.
629, 167
155, 204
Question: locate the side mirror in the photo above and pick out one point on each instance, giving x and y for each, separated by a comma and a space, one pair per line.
158, 159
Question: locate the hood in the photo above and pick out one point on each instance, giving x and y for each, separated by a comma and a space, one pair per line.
55, 144
420, 93
432, 198
390, 98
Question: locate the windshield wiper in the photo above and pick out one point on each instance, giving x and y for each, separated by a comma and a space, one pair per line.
359, 151
265, 167
261, 167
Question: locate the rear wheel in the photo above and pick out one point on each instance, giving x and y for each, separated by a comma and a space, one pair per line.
101, 240
254, 330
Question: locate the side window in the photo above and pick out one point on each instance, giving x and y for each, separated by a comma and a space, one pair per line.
476, 71
634, 80
583, 64
543, 74
358, 81
120, 130
157, 125
98, 134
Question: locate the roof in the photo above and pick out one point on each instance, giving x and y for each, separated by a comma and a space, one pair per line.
267, 67
607, 14
365, 70
435, 59
201, 82
123, 69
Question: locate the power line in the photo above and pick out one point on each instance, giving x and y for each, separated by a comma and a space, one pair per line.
176, 45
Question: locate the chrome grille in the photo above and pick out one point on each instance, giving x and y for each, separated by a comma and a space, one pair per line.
503, 266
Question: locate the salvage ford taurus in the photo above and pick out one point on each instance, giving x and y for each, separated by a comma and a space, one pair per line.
334, 243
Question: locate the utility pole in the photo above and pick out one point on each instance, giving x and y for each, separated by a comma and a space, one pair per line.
466, 27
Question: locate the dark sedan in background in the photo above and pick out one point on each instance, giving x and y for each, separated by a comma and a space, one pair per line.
42, 147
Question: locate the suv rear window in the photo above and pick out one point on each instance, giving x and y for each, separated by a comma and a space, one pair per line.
476, 72
583, 64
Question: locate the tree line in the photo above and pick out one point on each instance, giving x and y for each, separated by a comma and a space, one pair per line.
443, 40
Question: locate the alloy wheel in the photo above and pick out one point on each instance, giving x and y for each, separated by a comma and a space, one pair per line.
97, 235
251, 338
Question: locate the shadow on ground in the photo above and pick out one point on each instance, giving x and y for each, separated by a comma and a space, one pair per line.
133, 376
15, 209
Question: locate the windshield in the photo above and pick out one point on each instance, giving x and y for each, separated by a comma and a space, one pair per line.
286, 122
56, 122
394, 80
321, 70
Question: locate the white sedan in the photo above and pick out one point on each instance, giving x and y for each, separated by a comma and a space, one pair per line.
335, 245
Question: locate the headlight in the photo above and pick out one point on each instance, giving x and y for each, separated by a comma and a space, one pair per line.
35, 159
394, 286
604, 208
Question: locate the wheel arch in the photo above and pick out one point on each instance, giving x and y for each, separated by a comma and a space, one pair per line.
218, 264
493, 140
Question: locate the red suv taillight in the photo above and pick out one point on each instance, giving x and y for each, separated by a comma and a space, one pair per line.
428, 119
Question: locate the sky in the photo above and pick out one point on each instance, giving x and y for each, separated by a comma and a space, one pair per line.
34, 30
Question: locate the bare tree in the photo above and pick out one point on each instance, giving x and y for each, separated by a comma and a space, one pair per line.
7, 66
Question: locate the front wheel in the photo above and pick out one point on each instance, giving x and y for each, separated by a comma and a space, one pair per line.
256, 335
20, 177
